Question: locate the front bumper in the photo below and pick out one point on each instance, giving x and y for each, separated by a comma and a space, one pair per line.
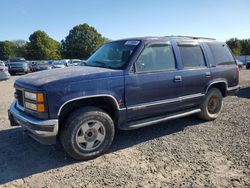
44, 131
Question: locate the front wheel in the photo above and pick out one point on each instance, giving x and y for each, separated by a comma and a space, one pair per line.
87, 134
212, 105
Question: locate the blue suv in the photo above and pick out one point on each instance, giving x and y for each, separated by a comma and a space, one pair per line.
126, 84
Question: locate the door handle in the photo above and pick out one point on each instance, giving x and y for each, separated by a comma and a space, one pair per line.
208, 74
177, 79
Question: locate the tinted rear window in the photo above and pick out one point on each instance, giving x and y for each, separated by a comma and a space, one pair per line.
221, 54
192, 56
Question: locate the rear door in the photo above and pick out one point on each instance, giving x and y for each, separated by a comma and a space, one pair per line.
195, 72
153, 87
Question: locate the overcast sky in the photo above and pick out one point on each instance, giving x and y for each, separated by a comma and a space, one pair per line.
220, 19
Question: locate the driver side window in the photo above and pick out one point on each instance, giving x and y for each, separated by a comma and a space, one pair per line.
158, 57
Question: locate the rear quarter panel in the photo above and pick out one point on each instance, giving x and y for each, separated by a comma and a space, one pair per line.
226, 73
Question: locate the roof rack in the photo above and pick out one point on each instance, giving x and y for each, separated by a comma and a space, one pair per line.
191, 37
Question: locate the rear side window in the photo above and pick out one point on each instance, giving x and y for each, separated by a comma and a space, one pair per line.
157, 57
221, 54
192, 56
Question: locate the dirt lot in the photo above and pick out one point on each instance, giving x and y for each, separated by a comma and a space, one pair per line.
179, 153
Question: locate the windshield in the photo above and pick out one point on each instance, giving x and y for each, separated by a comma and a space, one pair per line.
76, 61
113, 55
16, 60
58, 63
238, 62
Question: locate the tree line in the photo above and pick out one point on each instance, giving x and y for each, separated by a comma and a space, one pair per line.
239, 47
80, 43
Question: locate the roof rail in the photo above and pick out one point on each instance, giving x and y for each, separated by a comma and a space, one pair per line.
191, 37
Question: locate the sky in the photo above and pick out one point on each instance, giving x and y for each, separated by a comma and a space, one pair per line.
116, 19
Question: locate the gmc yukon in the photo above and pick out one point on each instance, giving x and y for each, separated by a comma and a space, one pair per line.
126, 84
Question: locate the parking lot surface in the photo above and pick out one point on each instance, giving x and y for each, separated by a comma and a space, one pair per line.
180, 153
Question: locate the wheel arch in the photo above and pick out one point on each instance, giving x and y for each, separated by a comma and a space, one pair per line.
107, 103
219, 84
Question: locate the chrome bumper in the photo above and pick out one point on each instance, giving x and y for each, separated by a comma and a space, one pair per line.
41, 130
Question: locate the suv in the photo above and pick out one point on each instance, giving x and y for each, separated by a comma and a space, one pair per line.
248, 65
126, 84
18, 65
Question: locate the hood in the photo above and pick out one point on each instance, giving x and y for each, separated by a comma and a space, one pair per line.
66, 75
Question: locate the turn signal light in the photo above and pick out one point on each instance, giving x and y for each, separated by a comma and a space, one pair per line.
39, 97
40, 108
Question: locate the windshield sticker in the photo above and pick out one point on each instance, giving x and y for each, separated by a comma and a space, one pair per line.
132, 42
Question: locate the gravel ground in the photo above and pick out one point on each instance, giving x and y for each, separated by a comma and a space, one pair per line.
181, 153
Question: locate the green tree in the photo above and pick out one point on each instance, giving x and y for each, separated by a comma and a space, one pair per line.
42, 47
7, 49
239, 47
81, 42
20, 46
235, 45
245, 47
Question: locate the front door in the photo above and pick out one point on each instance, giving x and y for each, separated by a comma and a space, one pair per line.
154, 87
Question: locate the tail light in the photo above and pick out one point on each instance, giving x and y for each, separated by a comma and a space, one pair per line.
3, 69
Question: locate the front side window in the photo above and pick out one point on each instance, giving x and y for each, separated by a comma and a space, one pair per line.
113, 55
221, 53
192, 56
158, 57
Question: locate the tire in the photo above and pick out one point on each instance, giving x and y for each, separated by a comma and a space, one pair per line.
211, 105
247, 66
82, 139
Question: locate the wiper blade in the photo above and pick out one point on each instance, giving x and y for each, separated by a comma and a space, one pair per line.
99, 64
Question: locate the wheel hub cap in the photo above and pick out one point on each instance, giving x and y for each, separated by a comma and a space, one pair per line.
213, 104
90, 135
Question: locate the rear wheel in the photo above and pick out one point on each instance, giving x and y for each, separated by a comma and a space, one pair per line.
212, 105
88, 133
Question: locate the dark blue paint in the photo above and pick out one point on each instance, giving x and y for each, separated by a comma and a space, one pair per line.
62, 85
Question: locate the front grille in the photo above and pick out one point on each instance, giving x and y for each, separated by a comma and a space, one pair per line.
19, 97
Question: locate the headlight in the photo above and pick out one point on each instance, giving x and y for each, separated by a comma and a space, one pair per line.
31, 106
34, 101
34, 106
29, 95
38, 97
